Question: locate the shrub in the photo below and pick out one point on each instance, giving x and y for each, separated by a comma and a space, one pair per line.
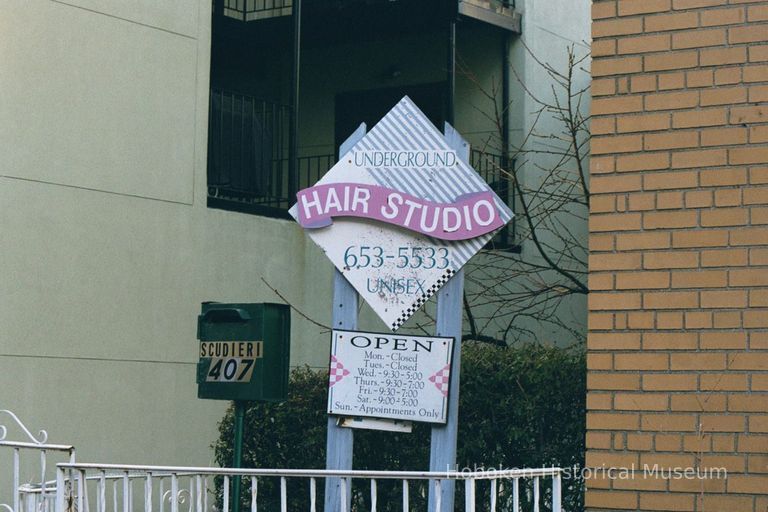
519, 407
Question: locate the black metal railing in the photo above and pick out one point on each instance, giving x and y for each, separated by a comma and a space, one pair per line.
498, 174
248, 161
247, 143
249, 10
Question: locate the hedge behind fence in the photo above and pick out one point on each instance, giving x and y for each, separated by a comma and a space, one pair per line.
519, 407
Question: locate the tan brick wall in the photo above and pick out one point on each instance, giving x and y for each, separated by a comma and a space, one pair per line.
678, 322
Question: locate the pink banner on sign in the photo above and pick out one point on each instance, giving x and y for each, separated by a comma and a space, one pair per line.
467, 217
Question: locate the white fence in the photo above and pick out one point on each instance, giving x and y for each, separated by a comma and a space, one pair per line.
119, 488
37, 496
85, 487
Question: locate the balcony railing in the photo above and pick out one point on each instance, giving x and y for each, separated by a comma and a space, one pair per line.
247, 150
248, 161
498, 174
252, 10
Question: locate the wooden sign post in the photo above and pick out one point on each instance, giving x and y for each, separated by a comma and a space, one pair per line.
442, 452
340, 440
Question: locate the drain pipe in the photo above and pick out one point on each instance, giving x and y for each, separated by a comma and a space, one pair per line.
293, 132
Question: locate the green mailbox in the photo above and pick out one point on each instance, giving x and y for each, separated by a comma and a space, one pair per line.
244, 351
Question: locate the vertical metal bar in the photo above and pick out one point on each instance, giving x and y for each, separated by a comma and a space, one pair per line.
469, 495
277, 151
148, 493
536, 494
102, 491
493, 495
513, 200
191, 494
16, 480
199, 493
226, 494
438, 495
162, 495
312, 495
283, 494
254, 494
343, 492
59, 490
80, 490
505, 127
175, 493
516, 495
114, 497
340, 440
556, 493
126, 493
374, 495
43, 468
71, 490
449, 317
258, 153
221, 166
230, 151
293, 135
205, 494
406, 498
243, 154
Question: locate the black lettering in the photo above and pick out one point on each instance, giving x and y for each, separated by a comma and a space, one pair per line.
417, 344
367, 342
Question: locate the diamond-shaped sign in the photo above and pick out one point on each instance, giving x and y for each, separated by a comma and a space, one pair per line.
400, 213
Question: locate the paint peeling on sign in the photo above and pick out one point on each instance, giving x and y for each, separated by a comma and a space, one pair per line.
380, 213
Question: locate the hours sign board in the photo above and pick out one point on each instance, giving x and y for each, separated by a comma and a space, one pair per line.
400, 213
397, 377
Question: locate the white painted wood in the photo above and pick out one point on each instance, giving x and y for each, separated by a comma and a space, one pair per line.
556, 493
449, 323
340, 441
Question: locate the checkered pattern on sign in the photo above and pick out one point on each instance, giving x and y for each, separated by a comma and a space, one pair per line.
337, 371
442, 379
410, 310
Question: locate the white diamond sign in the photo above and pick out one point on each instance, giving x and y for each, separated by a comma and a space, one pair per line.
400, 213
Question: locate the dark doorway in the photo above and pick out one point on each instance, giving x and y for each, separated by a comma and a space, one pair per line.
353, 108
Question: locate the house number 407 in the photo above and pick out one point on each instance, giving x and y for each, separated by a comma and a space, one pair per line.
230, 370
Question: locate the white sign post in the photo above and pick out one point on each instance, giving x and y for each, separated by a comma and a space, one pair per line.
399, 215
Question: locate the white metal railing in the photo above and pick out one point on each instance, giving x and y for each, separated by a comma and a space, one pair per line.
81, 487
192, 489
31, 497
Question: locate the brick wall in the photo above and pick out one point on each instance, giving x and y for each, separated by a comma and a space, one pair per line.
678, 322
